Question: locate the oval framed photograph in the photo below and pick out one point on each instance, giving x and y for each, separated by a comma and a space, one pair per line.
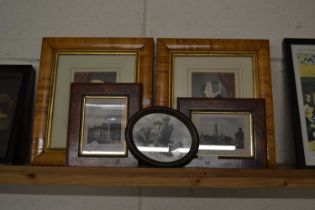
162, 137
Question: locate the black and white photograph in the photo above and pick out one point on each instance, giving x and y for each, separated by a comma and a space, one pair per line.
104, 121
224, 134
213, 85
162, 137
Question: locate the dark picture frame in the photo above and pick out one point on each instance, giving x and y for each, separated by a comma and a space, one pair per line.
232, 132
300, 64
98, 114
16, 111
162, 137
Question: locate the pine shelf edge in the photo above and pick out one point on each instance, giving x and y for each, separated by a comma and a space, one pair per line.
158, 177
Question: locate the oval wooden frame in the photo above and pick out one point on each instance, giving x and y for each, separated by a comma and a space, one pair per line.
145, 160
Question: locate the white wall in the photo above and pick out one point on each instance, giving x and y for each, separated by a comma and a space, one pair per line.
24, 23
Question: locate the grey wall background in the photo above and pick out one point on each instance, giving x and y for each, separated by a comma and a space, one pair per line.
24, 23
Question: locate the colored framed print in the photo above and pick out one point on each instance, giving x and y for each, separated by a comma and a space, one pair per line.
300, 62
162, 137
98, 116
231, 132
215, 68
16, 108
95, 60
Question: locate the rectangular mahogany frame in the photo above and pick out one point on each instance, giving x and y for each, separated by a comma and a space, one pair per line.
40, 155
78, 91
167, 47
256, 107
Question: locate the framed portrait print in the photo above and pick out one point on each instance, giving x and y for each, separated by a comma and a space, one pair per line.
98, 116
232, 132
81, 60
215, 68
16, 109
162, 137
300, 63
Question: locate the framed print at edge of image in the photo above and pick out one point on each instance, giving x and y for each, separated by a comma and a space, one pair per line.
231, 132
16, 111
66, 60
98, 115
300, 63
216, 68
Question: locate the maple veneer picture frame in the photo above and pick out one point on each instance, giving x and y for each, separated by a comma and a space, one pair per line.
300, 64
232, 132
98, 116
215, 68
67, 60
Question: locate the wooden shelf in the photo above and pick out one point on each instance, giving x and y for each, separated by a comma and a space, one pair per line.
157, 177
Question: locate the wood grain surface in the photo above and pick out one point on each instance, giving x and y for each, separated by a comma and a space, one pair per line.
158, 177
40, 155
256, 107
260, 48
132, 93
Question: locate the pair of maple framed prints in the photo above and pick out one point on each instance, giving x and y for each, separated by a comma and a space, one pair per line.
192, 75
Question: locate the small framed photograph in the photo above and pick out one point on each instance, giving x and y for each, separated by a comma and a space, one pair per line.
82, 60
231, 132
216, 68
98, 117
300, 63
16, 108
162, 137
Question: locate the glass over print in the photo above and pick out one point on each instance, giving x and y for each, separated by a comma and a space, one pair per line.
224, 133
98, 117
162, 137
78, 68
209, 76
104, 120
300, 60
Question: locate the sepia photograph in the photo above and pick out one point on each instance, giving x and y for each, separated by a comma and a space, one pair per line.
213, 85
104, 121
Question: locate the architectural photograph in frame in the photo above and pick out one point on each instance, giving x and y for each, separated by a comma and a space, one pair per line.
231, 132
162, 137
215, 68
300, 64
16, 109
82, 60
98, 116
